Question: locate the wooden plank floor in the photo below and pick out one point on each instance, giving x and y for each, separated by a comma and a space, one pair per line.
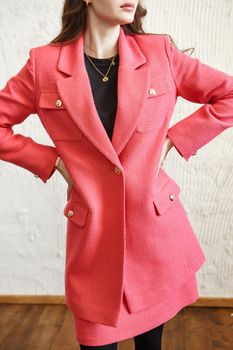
50, 327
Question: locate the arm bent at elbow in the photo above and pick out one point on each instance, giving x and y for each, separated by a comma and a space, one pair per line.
199, 83
17, 102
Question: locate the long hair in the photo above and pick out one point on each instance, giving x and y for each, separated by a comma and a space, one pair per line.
74, 21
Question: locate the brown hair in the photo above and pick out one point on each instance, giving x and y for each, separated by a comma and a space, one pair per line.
74, 20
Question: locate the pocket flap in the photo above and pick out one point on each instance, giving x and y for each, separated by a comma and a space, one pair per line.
49, 99
166, 197
158, 86
76, 212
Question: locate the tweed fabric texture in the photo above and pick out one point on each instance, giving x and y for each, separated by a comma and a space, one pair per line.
128, 233
132, 324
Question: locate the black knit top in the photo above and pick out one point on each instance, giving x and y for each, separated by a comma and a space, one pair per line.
104, 93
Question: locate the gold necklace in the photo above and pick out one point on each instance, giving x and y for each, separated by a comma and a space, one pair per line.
105, 76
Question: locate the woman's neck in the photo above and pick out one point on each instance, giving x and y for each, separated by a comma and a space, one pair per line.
101, 44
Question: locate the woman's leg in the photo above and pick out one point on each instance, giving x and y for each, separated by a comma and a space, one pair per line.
112, 346
151, 340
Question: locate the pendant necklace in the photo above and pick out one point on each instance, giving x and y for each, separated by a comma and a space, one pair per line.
105, 76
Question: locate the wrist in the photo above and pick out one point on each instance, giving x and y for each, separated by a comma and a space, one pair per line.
62, 170
56, 166
169, 143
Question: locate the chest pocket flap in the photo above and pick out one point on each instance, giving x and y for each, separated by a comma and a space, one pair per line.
51, 99
159, 85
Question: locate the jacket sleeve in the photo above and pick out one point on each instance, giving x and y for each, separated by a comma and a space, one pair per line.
17, 102
199, 83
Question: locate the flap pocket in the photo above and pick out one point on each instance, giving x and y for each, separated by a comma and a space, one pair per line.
156, 101
57, 120
159, 85
166, 197
76, 212
51, 99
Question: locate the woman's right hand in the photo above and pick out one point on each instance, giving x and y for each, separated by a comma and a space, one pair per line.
62, 169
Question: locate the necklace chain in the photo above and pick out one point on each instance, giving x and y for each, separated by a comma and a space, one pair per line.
105, 76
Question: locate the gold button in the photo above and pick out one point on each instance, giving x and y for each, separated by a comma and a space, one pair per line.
70, 213
152, 91
117, 170
172, 197
36, 175
58, 103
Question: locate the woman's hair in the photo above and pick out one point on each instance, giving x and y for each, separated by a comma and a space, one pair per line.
74, 20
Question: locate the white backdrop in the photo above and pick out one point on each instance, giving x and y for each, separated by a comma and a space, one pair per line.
32, 225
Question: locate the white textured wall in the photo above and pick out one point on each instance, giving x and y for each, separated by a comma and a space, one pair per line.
32, 225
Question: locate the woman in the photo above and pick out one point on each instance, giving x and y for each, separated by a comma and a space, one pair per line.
105, 92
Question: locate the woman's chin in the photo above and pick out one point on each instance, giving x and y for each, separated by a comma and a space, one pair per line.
126, 20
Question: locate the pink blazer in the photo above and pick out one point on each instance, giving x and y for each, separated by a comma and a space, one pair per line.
127, 229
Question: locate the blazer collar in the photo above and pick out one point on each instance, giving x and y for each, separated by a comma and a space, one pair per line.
71, 57
75, 91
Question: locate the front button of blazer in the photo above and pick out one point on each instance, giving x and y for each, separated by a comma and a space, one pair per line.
172, 197
117, 170
152, 91
70, 213
58, 103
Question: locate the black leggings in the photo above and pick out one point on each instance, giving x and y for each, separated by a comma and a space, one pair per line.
150, 340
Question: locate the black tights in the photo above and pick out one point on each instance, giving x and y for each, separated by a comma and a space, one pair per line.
150, 340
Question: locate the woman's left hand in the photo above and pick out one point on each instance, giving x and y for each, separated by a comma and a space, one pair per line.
68, 191
168, 144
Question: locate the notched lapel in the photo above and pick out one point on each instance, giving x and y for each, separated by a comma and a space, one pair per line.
132, 91
75, 91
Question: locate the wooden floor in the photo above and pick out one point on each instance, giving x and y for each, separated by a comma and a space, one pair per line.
50, 327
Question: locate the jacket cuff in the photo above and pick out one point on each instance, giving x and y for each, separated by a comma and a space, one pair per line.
43, 164
183, 146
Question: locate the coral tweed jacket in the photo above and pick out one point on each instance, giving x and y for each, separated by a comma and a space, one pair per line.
127, 229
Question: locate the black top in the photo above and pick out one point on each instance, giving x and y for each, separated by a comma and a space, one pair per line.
104, 93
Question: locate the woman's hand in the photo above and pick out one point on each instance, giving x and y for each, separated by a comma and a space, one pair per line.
69, 188
62, 169
168, 144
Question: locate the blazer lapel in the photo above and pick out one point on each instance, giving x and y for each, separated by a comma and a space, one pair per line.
75, 91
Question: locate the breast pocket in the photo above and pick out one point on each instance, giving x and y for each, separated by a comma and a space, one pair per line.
155, 107
58, 122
